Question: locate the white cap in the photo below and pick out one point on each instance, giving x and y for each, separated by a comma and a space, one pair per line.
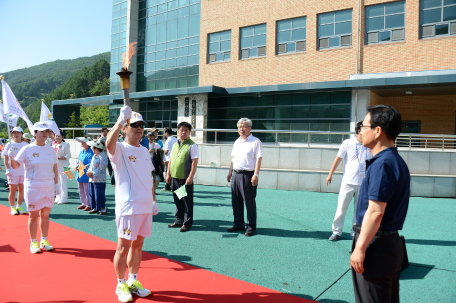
40, 126
136, 117
28, 136
96, 144
81, 139
17, 129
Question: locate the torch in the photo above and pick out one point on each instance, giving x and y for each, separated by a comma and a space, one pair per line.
124, 74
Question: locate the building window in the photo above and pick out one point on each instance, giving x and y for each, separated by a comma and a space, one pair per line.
437, 18
385, 22
253, 41
219, 47
291, 35
335, 29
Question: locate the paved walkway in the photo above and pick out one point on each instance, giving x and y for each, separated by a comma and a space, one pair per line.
290, 252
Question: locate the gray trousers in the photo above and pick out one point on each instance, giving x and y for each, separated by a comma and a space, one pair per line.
242, 191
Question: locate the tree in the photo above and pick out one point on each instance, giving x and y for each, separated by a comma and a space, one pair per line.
95, 115
75, 122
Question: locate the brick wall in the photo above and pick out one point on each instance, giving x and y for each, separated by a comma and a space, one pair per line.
313, 65
436, 113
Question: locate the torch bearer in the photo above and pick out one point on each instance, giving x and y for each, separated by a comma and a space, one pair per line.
124, 74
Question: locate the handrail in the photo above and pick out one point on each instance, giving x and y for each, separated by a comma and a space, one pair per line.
420, 141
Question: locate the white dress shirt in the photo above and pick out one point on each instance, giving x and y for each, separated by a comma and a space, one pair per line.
246, 152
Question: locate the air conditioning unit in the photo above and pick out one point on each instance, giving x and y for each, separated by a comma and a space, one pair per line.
212, 58
282, 48
262, 51
301, 46
244, 53
398, 34
324, 43
346, 40
372, 37
453, 28
428, 31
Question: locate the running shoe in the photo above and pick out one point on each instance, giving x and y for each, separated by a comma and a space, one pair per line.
14, 211
34, 248
123, 293
137, 289
334, 237
20, 211
45, 244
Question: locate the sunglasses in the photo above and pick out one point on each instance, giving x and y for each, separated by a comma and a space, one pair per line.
136, 125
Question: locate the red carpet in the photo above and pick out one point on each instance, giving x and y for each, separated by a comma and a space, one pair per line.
81, 270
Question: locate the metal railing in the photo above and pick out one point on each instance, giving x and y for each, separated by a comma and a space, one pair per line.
303, 138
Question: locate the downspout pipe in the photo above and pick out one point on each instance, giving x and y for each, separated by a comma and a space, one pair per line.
357, 58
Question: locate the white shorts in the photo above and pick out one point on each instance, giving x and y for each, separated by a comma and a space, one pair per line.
36, 199
131, 226
15, 180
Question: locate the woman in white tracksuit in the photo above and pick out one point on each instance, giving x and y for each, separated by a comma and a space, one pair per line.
63, 152
40, 183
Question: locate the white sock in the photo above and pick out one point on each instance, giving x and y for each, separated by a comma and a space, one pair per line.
32, 240
19, 205
43, 238
12, 207
103, 210
119, 281
132, 278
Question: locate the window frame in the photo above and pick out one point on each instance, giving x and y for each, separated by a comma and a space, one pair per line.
253, 42
334, 36
390, 30
224, 53
442, 6
291, 35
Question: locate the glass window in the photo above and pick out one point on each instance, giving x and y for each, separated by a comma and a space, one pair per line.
382, 20
335, 29
253, 41
437, 17
219, 46
291, 35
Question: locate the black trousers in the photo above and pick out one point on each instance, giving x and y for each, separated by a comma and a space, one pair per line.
184, 206
382, 267
111, 173
167, 186
242, 191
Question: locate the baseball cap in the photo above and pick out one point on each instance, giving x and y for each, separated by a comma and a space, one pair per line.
40, 126
28, 136
18, 129
81, 139
96, 144
136, 117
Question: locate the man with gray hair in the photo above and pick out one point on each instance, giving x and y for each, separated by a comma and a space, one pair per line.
245, 163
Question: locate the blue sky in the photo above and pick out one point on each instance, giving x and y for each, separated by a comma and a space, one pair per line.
40, 31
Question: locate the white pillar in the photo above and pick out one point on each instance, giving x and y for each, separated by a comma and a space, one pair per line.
359, 108
200, 113
132, 36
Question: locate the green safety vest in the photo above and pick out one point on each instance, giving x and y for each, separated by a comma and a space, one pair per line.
181, 163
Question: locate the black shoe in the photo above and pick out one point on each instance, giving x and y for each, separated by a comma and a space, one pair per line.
249, 232
174, 225
184, 228
234, 228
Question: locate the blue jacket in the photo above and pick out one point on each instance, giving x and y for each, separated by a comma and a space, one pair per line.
86, 157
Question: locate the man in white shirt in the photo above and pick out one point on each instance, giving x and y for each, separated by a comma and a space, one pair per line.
354, 155
170, 140
134, 200
246, 159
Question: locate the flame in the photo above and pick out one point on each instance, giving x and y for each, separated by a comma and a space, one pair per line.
128, 54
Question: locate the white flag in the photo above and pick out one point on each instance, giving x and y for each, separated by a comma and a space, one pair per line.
12, 106
46, 114
12, 120
53, 126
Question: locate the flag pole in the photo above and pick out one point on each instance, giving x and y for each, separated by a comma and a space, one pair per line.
7, 119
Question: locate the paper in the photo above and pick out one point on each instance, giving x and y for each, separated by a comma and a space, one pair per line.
69, 174
81, 169
213, 164
181, 192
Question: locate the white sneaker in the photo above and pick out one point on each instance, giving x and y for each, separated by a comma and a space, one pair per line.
123, 293
20, 211
45, 244
14, 211
34, 248
137, 289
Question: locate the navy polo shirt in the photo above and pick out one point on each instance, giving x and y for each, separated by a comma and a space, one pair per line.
387, 180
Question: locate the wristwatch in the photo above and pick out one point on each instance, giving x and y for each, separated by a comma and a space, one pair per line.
256, 175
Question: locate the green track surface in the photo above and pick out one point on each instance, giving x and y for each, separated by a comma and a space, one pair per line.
290, 252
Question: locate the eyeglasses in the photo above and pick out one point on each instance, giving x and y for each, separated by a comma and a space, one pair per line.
364, 127
136, 125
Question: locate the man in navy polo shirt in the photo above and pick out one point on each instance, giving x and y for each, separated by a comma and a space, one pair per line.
382, 207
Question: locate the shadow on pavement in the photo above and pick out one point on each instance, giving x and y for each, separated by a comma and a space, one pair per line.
430, 242
416, 271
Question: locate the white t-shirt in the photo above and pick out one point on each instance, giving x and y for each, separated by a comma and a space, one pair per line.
354, 154
39, 166
17, 148
169, 146
133, 174
153, 145
246, 152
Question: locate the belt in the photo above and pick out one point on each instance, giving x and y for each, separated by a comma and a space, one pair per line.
242, 171
380, 233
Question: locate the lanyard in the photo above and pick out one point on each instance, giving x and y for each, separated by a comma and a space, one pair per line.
361, 150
